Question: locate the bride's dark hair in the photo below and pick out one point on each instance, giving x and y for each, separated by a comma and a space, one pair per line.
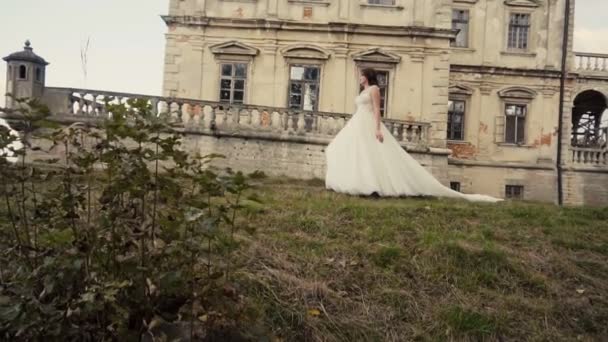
371, 76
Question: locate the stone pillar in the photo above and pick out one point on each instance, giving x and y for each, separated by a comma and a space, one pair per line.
272, 8
434, 96
264, 91
419, 12
172, 60
344, 10
336, 76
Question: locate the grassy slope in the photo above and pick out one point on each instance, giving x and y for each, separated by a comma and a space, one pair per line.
327, 267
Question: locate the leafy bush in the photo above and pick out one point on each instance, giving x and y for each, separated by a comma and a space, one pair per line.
124, 237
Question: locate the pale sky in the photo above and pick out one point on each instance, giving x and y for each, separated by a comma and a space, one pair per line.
127, 39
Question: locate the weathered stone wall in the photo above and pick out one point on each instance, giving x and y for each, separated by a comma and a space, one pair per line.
275, 157
301, 159
540, 183
430, 13
284, 158
586, 187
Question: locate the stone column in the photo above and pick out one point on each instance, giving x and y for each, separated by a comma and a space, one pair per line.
201, 8
344, 11
272, 8
263, 85
172, 58
336, 87
483, 123
419, 12
438, 73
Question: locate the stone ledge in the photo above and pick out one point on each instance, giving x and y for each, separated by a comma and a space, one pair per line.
498, 165
331, 27
586, 169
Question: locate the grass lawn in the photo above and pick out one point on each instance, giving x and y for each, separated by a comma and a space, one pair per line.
327, 267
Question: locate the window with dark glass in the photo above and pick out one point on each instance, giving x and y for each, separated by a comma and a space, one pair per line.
514, 192
38, 75
456, 110
519, 30
460, 21
381, 2
515, 123
304, 87
22, 72
232, 82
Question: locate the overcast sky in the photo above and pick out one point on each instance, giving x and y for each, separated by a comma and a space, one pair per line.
127, 42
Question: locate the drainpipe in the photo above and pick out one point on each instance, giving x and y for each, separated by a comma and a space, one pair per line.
560, 119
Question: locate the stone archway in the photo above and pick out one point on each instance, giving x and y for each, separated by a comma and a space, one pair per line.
589, 119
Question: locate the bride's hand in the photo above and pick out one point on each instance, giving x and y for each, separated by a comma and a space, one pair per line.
379, 136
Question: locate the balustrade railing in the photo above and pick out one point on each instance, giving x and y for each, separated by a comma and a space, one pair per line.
591, 62
589, 156
592, 155
224, 117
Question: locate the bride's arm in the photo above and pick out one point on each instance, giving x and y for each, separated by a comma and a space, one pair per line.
375, 93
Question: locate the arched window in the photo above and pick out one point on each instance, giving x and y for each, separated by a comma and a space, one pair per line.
587, 127
38, 75
22, 72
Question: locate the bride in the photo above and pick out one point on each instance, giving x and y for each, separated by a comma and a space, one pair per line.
365, 159
8, 150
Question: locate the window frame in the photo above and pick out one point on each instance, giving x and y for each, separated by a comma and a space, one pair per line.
394, 5
233, 78
510, 192
304, 82
468, 26
463, 121
25, 78
459, 92
517, 96
529, 28
516, 124
379, 3
38, 75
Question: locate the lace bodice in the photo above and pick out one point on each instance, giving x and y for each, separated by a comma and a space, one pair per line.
364, 101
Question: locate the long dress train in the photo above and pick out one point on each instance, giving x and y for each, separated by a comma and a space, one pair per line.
358, 164
15, 145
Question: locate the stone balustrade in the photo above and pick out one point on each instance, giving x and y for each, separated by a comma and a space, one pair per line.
224, 118
589, 156
592, 156
591, 62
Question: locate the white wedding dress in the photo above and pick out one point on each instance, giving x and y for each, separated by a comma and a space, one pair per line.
15, 145
358, 164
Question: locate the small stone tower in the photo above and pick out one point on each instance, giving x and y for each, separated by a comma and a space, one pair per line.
25, 75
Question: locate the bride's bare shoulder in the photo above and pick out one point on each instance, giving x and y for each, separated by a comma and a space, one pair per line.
374, 89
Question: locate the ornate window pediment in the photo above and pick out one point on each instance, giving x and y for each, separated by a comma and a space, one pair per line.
377, 56
523, 3
517, 93
234, 48
460, 90
302, 51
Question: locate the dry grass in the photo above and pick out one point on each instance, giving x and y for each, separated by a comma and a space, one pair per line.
327, 267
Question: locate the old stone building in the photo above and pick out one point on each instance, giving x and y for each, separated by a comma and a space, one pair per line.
485, 74
471, 88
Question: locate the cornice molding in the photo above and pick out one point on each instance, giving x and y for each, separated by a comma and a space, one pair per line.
331, 27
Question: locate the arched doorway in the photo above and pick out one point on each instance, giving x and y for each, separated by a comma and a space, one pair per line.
589, 116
